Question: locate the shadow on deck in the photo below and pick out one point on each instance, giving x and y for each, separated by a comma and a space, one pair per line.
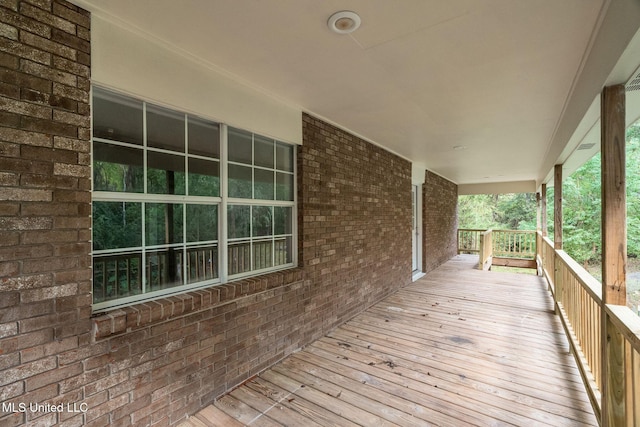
458, 347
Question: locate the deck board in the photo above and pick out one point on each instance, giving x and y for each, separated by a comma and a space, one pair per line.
458, 347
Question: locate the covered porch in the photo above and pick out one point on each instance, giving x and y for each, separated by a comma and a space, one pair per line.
361, 145
460, 346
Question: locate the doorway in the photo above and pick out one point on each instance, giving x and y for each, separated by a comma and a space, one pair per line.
416, 231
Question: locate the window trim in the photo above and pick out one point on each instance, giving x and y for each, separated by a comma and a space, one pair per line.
222, 202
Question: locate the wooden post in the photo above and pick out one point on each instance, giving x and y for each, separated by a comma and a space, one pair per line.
557, 207
614, 250
538, 217
543, 209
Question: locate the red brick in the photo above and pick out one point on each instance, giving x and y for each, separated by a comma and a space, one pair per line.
42, 4
8, 90
48, 181
21, 50
50, 46
57, 236
46, 18
21, 194
50, 209
25, 81
49, 349
70, 92
31, 339
48, 293
80, 171
27, 370
8, 209
69, 39
79, 16
48, 127
439, 217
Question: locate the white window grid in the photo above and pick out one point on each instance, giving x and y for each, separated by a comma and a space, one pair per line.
221, 202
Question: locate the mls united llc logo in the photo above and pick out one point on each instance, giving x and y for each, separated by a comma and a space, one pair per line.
44, 407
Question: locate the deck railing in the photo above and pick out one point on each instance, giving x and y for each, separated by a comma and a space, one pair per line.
520, 244
120, 275
469, 240
578, 301
515, 248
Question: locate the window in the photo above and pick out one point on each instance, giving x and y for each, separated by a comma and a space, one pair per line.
165, 220
260, 202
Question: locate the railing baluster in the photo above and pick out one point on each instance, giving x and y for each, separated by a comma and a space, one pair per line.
578, 296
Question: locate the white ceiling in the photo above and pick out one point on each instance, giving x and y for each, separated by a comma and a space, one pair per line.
419, 77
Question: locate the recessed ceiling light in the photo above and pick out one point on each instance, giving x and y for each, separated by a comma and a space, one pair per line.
344, 22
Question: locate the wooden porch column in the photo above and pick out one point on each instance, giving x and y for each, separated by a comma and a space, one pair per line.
557, 207
614, 250
538, 218
543, 209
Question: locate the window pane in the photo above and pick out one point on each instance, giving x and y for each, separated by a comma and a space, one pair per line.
240, 181
165, 128
116, 117
282, 221
240, 146
284, 157
263, 186
262, 254
117, 225
117, 168
202, 223
164, 269
262, 220
116, 276
204, 178
165, 173
163, 223
282, 251
263, 152
284, 186
202, 263
204, 138
239, 257
239, 218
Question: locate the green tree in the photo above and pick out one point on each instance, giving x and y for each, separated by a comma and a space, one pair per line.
633, 190
517, 211
581, 212
475, 211
498, 211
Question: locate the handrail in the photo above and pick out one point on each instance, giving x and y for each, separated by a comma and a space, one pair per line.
546, 254
578, 301
627, 323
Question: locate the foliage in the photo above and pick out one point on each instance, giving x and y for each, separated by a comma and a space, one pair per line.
498, 211
581, 208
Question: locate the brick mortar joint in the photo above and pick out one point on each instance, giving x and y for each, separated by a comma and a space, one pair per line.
118, 316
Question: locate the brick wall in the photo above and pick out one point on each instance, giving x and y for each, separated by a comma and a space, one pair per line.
153, 363
439, 220
45, 299
355, 223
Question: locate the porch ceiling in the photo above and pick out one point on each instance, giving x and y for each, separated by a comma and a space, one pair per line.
495, 78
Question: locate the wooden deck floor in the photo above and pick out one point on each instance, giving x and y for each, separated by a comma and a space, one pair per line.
458, 347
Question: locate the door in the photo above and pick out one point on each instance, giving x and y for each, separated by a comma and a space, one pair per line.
415, 229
